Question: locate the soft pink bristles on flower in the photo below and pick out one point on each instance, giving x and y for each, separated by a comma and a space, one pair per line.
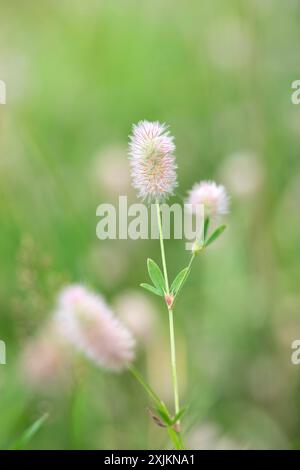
213, 197
153, 167
86, 321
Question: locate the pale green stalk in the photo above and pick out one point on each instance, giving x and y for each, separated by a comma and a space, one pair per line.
171, 319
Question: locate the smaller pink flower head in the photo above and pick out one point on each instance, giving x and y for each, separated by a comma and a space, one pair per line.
85, 320
213, 197
152, 160
45, 360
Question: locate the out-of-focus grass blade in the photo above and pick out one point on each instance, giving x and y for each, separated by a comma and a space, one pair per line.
29, 433
215, 234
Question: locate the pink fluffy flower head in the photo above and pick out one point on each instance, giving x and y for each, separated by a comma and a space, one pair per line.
85, 320
153, 167
213, 197
45, 361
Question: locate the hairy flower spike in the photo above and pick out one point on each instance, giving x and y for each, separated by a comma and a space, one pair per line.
214, 198
86, 321
153, 167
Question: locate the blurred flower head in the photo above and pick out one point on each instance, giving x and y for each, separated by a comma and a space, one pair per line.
109, 171
213, 197
153, 167
138, 313
85, 320
243, 173
45, 360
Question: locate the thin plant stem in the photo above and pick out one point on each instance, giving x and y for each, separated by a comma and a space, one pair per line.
190, 263
176, 439
171, 319
173, 361
162, 249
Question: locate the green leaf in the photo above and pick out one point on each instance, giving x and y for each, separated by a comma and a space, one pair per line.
156, 275
180, 414
206, 225
164, 414
215, 234
178, 281
151, 289
27, 435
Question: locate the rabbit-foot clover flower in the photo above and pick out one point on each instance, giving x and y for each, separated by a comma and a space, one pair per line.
212, 196
85, 320
211, 201
152, 160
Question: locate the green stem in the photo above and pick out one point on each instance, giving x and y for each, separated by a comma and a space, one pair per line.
171, 319
173, 361
162, 249
176, 439
190, 264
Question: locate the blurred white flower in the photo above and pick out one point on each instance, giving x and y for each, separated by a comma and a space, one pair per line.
138, 313
213, 197
85, 320
45, 360
110, 171
153, 167
243, 174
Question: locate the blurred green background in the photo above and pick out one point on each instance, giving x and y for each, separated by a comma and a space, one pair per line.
78, 74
